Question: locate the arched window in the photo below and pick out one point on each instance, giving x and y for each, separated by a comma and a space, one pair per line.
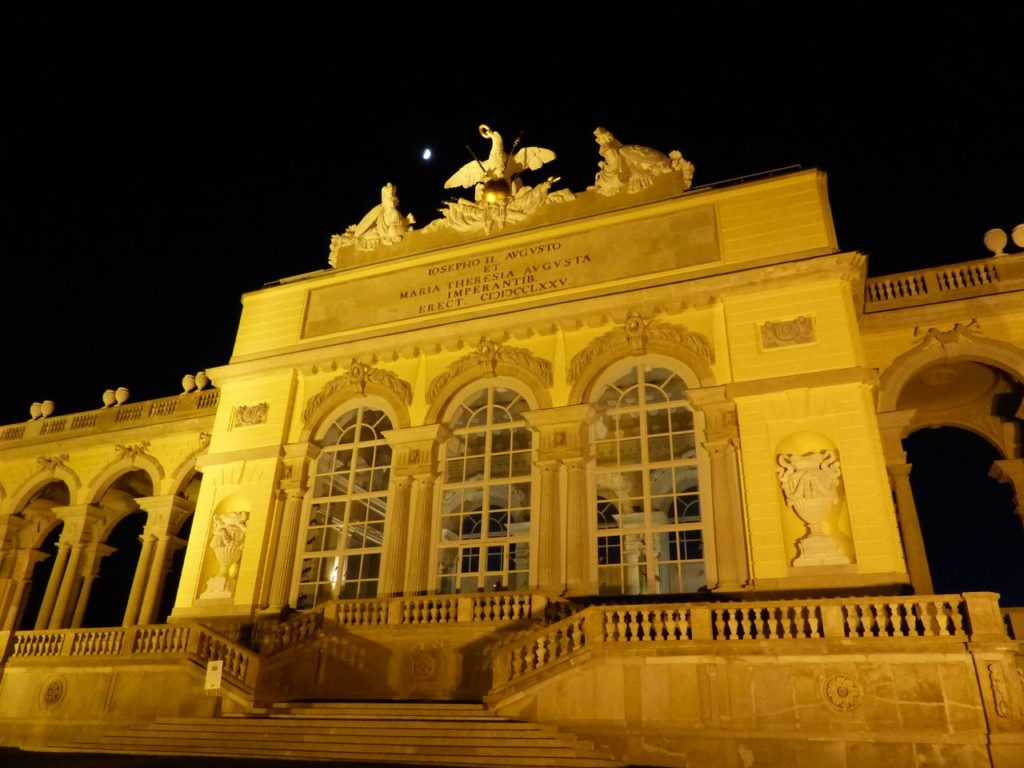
345, 524
649, 530
485, 513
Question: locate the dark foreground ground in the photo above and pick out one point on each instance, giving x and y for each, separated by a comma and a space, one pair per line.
14, 758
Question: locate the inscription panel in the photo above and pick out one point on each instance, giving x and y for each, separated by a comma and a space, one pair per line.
541, 270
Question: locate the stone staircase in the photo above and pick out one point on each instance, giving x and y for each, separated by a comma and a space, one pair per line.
453, 734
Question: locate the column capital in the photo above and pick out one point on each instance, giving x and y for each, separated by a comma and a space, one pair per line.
894, 426
296, 459
82, 523
1008, 471
165, 514
719, 411
416, 448
562, 433
899, 470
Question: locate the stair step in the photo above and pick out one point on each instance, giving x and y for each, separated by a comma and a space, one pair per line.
505, 758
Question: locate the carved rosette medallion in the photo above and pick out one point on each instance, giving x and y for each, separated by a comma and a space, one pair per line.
787, 333
486, 358
53, 692
810, 484
843, 692
251, 415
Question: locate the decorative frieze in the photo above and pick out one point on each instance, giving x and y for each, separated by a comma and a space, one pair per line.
51, 463
787, 333
132, 451
486, 358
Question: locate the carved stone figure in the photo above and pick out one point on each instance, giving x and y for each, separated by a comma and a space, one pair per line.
383, 224
809, 484
630, 167
226, 542
499, 197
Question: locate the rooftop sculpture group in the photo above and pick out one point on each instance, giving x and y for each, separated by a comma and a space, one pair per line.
501, 198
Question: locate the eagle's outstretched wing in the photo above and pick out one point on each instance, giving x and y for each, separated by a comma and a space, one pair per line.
468, 175
528, 158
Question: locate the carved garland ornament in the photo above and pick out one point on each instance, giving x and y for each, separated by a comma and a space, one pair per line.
638, 331
999, 692
357, 377
842, 692
487, 357
957, 334
51, 463
132, 451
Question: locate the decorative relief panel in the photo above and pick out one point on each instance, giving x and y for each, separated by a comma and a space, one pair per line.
787, 333
53, 692
637, 332
488, 355
251, 415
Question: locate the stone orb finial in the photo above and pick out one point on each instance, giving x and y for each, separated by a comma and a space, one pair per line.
35, 410
121, 395
109, 398
47, 407
995, 241
1017, 233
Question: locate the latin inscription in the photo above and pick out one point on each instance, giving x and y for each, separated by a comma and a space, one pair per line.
495, 277
535, 271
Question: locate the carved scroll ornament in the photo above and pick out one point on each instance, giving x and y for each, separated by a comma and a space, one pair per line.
358, 377
637, 332
486, 358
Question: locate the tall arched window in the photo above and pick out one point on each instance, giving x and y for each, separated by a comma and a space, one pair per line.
345, 524
649, 536
485, 513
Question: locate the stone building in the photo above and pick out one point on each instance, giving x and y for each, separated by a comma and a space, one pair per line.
613, 476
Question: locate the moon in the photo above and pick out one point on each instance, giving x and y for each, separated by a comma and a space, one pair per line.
427, 154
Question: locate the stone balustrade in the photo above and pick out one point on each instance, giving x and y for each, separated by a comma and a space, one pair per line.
437, 609
291, 632
241, 666
679, 624
184, 406
928, 286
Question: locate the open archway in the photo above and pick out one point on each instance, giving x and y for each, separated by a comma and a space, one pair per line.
972, 535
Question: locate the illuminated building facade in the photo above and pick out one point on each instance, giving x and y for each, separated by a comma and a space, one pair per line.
627, 462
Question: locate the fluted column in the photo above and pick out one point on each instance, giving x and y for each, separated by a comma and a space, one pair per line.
165, 545
421, 537
894, 426
580, 551
725, 515
549, 535
21, 577
281, 582
131, 612
392, 574
53, 586
410, 531
910, 529
68, 585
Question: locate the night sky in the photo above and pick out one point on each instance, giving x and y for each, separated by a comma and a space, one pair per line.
147, 185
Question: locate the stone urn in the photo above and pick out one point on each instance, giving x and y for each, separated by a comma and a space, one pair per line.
108, 398
47, 407
188, 383
810, 484
35, 410
121, 395
226, 543
202, 380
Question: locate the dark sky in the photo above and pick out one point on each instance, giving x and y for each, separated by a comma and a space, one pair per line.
153, 173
